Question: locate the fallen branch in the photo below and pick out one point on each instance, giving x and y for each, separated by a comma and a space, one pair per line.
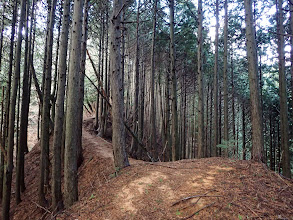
193, 214
194, 203
46, 210
192, 197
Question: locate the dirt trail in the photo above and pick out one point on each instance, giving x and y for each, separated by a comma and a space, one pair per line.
220, 188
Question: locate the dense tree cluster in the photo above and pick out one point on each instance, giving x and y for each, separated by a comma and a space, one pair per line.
166, 80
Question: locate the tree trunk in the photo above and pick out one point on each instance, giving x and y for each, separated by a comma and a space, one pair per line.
243, 133
216, 73
201, 144
7, 96
256, 109
175, 135
291, 67
22, 145
102, 101
118, 137
153, 140
59, 116
9, 166
81, 81
71, 137
1, 33
45, 125
272, 150
134, 144
233, 99
284, 129
226, 128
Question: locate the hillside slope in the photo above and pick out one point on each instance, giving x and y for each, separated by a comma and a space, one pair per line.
211, 188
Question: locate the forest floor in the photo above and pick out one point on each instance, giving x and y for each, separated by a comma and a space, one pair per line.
210, 188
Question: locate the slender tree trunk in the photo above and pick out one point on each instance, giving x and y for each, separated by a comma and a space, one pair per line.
272, 157
9, 166
153, 140
284, 129
201, 144
207, 123
167, 116
141, 118
291, 67
45, 126
233, 99
226, 128
102, 101
59, 116
256, 109
81, 81
243, 133
22, 145
134, 144
106, 108
211, 122
7, 98
118, 137
175, 135
1, 33
216, 73
54, 95
220, 150
71, 137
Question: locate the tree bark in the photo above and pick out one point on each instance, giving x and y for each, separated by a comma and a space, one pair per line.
134, 144
9, 166
243, 133
175, 135
45, 125
153, 140
284, 128
118, 137
59, 116
201, 144
216, 73
22, 145
71, 138
81, 81
7, 96
256, 109
225, 82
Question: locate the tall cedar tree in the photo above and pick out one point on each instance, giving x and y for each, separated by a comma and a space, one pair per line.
71, 137
15, 84
59, 115
175, 134
118, 136
216, 86
256, 110
283, 93
200, 84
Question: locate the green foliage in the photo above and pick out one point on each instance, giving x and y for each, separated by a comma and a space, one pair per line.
92, 196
